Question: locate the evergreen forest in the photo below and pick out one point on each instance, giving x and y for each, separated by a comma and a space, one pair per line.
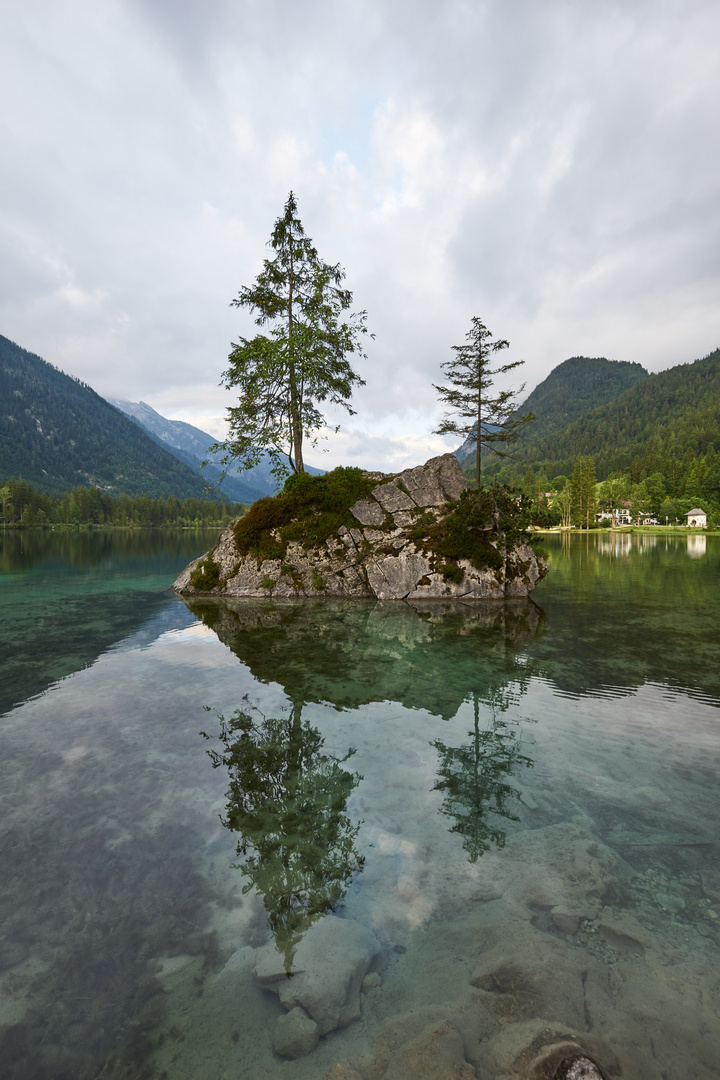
652, 449
57, 433
23, 506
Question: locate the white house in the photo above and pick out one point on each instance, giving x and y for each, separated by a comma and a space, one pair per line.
697, 519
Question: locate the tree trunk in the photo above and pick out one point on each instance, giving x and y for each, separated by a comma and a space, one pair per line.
478, 451
295, 417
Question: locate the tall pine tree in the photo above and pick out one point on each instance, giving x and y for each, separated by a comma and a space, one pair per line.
282, 376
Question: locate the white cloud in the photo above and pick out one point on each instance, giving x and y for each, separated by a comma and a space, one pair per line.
553, 168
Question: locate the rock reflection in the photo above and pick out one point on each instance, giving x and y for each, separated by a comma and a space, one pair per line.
475, 778
424, 656
287, 802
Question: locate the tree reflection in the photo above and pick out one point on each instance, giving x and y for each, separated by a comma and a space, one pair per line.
287, 801
475, 778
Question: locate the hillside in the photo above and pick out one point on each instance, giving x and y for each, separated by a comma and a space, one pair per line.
571, 390
57, 433
190, 445
651, 427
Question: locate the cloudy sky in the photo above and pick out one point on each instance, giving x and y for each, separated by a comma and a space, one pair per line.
550, 165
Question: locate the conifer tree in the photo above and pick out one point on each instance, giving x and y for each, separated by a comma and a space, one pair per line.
282, 376
582, 486
489, 419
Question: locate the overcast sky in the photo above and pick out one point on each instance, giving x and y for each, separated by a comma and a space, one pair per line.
552, 166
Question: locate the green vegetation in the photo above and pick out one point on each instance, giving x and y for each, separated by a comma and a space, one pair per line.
664, 424
654, 448
572, 390
564, 501
58, 433
281, 378
478, 527
23, 506
206, 575
308, 510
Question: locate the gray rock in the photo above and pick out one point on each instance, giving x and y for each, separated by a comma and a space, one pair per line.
368, 512
392, 498
372, 562
329, 966
296, 1035
423, 486
450, 476
393, 577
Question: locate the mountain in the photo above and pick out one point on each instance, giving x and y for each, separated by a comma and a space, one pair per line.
57, 433
571, 390
190, 445
651, 426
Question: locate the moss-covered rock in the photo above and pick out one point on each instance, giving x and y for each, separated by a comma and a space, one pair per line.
418, 534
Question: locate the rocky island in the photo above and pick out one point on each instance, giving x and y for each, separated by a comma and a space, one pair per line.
415, 535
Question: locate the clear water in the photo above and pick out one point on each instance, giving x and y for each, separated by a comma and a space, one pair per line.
528, 823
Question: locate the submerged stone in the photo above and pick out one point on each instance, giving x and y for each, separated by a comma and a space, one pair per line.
328, 969
296, 1035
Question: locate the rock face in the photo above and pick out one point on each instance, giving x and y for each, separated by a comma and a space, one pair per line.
377, 556
328, 969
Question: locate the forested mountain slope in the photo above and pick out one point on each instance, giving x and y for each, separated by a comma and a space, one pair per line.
57, 433
572, 389
190, 445
651, 427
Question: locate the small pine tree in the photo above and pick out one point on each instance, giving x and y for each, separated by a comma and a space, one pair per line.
489, 419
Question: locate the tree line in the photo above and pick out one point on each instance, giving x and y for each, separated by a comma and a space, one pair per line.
23, 506
576, 499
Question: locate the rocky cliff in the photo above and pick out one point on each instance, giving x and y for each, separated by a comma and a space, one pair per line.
415, 535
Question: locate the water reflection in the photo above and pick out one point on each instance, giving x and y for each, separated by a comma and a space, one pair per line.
67, 597
696, 546
616, 623
287, 801
475, 778
430, 657
287, 798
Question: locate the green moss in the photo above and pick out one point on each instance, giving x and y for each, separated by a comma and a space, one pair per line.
308, 510
295, 576
471, 529
318, 581
206, 575
452, 572
268, 583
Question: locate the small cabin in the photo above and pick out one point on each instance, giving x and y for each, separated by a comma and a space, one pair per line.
696, 519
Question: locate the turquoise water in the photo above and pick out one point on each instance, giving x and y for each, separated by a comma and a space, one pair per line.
519, 801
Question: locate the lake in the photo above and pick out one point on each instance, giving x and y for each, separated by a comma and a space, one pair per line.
475, 833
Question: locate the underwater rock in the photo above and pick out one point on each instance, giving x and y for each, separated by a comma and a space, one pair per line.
328, 968
391, 558
296, 1035
524, 990
438, 1055
342, 1071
